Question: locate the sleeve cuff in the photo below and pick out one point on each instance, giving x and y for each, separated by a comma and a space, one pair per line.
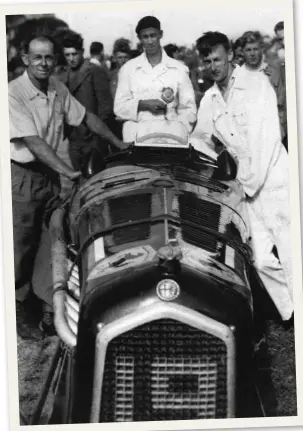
82, 116
22, 135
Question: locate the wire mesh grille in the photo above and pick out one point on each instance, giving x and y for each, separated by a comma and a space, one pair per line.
164, 370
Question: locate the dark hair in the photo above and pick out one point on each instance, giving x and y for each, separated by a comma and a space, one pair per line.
24, 48
206, 43
237, 44
73, 40
135, 53
14, 63
96, 48
274, 41
147, 22
170, 49
122, 45
279, 26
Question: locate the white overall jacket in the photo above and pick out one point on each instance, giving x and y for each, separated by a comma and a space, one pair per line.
247, 123
138, 80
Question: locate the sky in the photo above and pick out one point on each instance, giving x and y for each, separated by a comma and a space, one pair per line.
182, 25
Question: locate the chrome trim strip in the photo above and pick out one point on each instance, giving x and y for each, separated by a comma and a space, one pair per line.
166, 229
148, 314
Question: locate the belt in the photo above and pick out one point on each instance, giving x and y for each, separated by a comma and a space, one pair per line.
37, 167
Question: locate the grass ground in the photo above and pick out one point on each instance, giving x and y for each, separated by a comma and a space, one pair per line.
281, 350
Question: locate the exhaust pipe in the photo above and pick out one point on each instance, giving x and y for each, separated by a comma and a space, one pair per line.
63, 304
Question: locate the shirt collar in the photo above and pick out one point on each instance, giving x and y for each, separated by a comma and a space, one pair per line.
235, 80
240, 80
142, 61
33, 91
262, 66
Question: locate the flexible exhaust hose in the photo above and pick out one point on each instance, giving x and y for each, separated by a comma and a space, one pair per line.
60, 277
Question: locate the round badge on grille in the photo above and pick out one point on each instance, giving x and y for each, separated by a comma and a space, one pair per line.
168, 290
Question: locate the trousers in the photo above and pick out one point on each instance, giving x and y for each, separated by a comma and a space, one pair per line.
35, 194
269, 216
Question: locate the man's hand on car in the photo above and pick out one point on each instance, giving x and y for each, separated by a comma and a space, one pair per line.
121, 145
155, 106
73, 175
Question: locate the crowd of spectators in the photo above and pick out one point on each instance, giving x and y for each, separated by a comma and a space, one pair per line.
271, 54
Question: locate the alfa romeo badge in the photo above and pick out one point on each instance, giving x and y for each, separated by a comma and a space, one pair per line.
168, 289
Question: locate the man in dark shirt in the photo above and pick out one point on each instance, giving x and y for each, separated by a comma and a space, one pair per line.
90, 85
96, 51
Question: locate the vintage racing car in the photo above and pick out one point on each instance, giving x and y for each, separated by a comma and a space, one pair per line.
153, 287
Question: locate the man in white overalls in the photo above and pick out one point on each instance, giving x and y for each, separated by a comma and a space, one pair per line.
153, 85
242, 112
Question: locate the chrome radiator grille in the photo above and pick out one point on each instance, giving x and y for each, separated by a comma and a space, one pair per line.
164, 370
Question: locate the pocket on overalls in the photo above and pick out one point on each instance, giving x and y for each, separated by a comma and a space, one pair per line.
240, 118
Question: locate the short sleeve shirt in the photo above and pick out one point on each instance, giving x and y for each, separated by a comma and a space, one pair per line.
33, 113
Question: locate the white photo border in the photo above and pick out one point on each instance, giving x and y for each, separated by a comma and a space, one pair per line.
8, 271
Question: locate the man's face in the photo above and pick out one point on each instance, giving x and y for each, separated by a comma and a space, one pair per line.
216, 64
73, 57
121, 58
280, 35
40, 59
266, 40
252, 53
238, 57
150, 39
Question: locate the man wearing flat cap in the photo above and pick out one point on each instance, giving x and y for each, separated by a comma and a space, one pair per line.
153, 85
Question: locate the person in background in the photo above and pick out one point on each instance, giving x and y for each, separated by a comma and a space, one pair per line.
90, 85
238, 52
279, 31
121, 54
271, 51
172, 51
153, 85
254, 62
266, 40
252, 51
38, 106
283, 111
97, 58
135, 53
15, 68
241, 111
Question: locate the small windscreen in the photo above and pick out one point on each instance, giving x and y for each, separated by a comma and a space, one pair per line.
162, 134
